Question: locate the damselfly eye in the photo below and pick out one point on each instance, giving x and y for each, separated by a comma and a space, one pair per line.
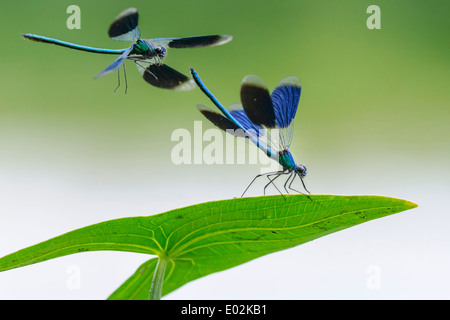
160, 51
302, 170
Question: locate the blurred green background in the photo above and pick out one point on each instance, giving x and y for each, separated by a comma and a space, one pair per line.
373, 119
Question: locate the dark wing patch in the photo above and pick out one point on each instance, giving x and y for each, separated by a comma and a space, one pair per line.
222, 122
199, 41
256, 102
125, 23
163, 76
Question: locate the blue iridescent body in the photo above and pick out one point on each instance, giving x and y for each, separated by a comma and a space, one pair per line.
287, 162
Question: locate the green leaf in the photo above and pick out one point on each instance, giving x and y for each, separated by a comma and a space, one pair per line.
137, 287
202, 239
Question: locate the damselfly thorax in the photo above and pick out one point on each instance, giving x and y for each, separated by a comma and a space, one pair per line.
286, 160
143, 50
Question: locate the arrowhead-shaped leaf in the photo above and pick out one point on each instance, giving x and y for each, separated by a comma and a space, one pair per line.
202, 239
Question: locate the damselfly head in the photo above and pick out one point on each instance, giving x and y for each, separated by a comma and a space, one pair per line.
160, 51
301, 170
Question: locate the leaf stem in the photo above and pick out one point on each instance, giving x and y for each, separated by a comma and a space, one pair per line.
158, 278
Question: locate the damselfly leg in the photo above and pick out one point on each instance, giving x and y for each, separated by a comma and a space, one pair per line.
118, 79
261, 175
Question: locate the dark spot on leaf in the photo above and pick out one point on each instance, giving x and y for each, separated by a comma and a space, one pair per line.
180, 217
235, 236
274, 232
83, 249
320, 226
143, 270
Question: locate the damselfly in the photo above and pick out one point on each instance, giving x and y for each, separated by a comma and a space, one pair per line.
146, 53
265, 119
